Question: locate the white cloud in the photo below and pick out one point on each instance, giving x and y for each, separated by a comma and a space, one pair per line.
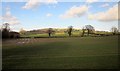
48, 15
105, 5
111, 0
9, 18
110, 15
50, 1
31, 4
91, 1
35, 3
75, 12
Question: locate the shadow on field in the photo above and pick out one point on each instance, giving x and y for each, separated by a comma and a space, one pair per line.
73, 53
22, 56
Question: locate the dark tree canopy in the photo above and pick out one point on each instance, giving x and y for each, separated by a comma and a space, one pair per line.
90, 29
5, 30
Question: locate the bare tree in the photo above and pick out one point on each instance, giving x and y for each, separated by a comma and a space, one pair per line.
70, 28
114, 30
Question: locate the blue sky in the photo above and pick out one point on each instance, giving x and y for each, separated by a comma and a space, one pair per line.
59, 15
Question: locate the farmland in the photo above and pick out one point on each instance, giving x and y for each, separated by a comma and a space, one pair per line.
61, 53
77, 33
59, 34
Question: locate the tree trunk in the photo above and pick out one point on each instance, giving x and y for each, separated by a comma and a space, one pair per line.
83, 32
49, 34
88, 32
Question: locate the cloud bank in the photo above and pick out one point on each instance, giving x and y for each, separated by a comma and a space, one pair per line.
105, 5
75, 12
35, 3
110, 15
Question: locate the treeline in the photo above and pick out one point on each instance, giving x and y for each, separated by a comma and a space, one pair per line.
87, 30
7, 33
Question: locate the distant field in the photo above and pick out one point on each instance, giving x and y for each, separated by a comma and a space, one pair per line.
54, 35
75, 33
61, 53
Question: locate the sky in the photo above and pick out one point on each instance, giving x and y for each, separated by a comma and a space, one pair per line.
36, 14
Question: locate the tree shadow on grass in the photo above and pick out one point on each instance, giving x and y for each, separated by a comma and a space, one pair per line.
18, 56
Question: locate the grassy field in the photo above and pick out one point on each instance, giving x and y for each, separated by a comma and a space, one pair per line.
61, 34
53, 35
61, 53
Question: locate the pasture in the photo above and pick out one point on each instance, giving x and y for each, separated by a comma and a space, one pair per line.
61, 53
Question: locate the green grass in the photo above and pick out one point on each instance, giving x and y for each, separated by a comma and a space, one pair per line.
62, 53
62, 34
56, 34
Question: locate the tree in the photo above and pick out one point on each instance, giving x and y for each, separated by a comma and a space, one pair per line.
22, 31
83, 32
50, 31
114, 30
0, 34
90, 29
70, 28
5, 30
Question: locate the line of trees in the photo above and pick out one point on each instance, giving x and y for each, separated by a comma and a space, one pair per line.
6, 33
87, 29
5, 30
